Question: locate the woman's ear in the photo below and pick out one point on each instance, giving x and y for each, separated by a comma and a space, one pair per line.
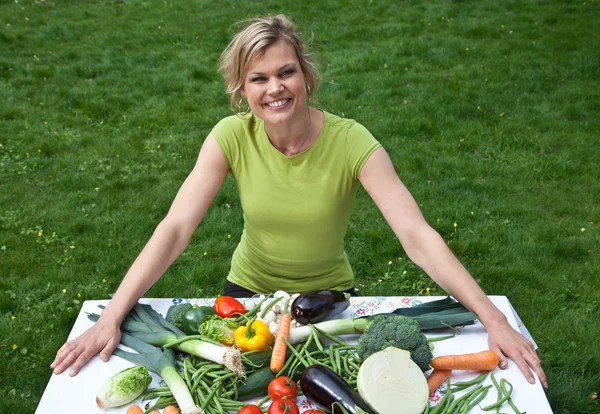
242, 93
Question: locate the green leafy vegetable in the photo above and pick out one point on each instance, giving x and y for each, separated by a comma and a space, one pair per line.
219, 329
124, 387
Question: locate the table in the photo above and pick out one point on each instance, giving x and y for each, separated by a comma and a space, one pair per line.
77, 394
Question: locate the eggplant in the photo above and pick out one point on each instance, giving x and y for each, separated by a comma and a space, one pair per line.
316, 306
323, 386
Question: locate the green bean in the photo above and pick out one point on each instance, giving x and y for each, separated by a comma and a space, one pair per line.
289, 362
331, 357
442, 407
296, 353
453, 405
459, 386
510, 401
502, 400
315, 335
440, 338
352, 364
210, 395
338, 362
346, 366
476, 400
252, 312
264, 400
293, 370
313, 361
161, 403
268, 307
447, 395
197, 381
499, 390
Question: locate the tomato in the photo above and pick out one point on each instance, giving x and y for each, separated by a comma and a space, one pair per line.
226, 306
283, 406
313, 412
283, 387
250, 409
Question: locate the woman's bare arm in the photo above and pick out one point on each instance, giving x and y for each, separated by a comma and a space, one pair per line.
427, 249
168, 241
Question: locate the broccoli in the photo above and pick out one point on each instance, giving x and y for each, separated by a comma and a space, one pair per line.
398, 331
176, 312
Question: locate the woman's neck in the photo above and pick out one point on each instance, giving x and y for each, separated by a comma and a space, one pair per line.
291, 137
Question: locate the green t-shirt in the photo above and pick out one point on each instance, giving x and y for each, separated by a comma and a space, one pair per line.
296, 209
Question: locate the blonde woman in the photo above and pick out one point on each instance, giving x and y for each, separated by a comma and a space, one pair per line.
297, 169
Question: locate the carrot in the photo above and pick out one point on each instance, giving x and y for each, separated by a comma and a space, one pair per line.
279, 347
134, 409
171, 409
478, 361
437, 378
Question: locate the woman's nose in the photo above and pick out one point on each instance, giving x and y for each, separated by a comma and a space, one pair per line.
275, 86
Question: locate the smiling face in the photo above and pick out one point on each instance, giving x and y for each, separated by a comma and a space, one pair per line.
275, 86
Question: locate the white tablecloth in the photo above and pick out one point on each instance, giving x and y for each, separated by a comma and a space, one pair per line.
73, 395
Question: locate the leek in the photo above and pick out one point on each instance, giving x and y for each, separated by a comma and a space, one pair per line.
161, 362
148, 326
437, 314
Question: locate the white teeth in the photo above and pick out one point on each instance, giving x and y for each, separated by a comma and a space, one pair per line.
278, 103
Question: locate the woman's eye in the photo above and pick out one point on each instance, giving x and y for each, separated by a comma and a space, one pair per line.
258, 79
288, 72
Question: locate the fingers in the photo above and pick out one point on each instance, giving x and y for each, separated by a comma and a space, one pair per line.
83, 358
523, 353
78, 352
502, 360
533, 361
65, 356
109, 348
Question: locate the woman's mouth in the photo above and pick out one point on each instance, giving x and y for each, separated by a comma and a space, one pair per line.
279, 104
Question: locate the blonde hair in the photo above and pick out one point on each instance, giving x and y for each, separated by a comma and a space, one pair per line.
251, 42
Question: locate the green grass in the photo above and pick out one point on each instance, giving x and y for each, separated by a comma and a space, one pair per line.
489, 110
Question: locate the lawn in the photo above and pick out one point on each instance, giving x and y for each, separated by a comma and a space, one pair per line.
490, 112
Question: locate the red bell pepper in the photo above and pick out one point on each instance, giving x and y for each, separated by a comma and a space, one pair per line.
226, 306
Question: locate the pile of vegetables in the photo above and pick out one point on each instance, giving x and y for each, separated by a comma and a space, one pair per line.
286, 344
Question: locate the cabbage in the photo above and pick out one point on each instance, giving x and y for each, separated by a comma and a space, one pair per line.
123, 387
390, 382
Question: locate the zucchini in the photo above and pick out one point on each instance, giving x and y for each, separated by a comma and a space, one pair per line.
256, 384
256, 360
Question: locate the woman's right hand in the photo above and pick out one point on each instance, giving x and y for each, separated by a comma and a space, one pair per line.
101, 338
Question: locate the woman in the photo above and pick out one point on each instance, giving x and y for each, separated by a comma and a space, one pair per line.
297, 169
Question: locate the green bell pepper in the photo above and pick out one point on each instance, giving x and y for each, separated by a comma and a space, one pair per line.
193, 318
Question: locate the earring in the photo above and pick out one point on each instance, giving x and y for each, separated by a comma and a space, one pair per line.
240, 110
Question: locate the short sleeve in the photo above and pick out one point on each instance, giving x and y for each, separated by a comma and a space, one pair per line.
360, 144
229, 134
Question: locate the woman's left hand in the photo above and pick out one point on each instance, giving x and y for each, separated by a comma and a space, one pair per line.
507, 342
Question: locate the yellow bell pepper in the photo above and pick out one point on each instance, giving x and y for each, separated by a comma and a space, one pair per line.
255, 335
